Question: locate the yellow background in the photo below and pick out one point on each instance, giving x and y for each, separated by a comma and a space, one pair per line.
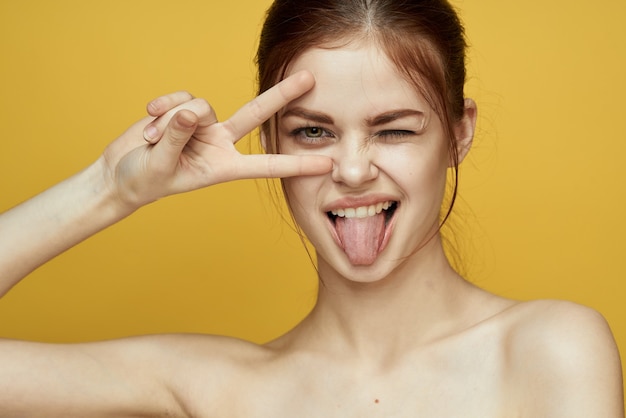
543, 195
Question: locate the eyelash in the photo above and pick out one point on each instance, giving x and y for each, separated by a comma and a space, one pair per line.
387, 135
395, 134
300, 135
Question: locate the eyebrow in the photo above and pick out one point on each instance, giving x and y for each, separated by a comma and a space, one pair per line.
391, 116
309, 115
382, 119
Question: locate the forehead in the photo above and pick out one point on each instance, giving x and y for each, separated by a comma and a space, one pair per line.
355, 77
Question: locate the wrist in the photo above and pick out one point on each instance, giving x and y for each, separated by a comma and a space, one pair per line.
105, 195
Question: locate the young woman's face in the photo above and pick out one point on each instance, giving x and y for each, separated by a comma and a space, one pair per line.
381, 201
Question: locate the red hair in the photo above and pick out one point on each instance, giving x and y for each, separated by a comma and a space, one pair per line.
424, 39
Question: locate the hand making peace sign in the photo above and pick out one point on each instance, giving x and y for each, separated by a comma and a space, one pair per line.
183, 146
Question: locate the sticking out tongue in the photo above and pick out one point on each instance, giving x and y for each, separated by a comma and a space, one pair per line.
361, 237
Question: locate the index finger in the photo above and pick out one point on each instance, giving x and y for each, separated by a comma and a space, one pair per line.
257, 111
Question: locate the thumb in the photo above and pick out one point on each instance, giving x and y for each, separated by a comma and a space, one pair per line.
176, 135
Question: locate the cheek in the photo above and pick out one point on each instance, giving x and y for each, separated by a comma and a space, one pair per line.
415, 169
299, 193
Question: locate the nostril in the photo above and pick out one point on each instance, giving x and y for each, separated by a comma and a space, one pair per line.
354, 171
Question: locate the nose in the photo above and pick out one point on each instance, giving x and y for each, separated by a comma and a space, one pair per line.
354, 165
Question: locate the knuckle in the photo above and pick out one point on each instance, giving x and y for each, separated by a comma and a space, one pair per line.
185, 95
256, 111
272, 165
176, 139
170, 101
230, 129
178, 98
203, 105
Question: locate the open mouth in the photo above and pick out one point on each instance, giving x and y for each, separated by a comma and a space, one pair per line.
363, 232
388, 207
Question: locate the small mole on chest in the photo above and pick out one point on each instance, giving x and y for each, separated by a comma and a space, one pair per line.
376, 401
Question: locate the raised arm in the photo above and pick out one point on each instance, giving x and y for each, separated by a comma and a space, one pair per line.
180, 147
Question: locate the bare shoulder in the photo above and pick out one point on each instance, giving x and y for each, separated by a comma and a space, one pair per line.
564, 360
558, 319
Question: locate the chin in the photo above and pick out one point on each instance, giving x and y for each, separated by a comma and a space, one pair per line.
341, 268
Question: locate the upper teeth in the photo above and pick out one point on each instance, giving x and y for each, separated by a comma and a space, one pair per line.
362, 211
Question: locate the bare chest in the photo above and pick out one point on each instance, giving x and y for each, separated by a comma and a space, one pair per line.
433, 385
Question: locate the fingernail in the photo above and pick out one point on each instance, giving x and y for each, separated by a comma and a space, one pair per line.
150, 133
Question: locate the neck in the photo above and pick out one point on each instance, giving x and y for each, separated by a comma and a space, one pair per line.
420, 301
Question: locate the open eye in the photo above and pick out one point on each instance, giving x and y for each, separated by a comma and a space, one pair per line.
310, 135
313, 132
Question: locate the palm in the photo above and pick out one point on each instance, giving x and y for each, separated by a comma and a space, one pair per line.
210, 157
195, 151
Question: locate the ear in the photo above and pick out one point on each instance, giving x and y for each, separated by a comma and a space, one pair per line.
465, 127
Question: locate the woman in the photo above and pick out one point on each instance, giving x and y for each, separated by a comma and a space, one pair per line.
367, 119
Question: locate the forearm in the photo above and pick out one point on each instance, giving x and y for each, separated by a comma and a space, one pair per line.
55, 220
192, 150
